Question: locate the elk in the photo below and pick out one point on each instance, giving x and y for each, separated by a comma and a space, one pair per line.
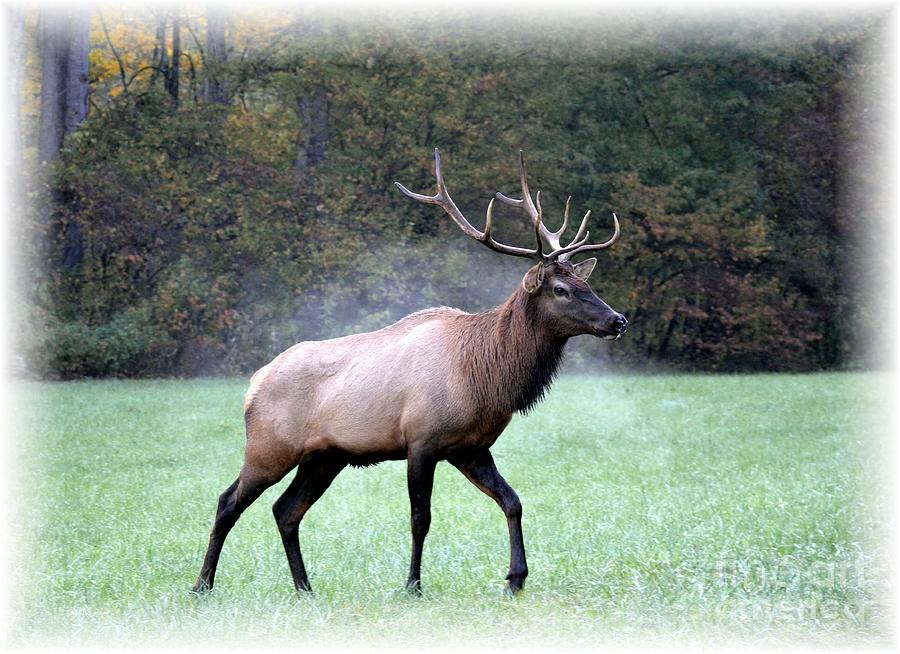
438, 385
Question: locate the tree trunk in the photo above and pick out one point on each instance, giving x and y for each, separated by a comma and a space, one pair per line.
215, 87
15, 75
160, 49
173, 74
52, 46
77, 86
64, 45
313, 110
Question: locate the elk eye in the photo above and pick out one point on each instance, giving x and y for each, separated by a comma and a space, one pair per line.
560, 291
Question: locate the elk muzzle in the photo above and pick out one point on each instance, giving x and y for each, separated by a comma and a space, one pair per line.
611, 327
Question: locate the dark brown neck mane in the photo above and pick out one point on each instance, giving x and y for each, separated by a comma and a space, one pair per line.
509, 357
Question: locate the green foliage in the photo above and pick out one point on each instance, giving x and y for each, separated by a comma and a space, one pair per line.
130, 344
237, 230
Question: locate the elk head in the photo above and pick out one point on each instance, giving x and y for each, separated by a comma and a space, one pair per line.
557, 287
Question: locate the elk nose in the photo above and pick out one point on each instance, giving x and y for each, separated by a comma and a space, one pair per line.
620, 324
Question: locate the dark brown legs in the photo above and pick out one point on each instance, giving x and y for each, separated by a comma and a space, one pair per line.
232, 503
481, 471
313, 478
420, 479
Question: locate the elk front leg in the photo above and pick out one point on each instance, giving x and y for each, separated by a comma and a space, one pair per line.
481, 471
420, 479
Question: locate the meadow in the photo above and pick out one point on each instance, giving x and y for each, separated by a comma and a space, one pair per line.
669, 509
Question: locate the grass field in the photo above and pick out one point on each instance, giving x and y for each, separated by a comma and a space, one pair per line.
658, 510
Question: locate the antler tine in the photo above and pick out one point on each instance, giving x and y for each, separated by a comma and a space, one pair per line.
526, 201
559, 232
599, 246
533, 208
487, 239
442, 199
582, 229
526, 194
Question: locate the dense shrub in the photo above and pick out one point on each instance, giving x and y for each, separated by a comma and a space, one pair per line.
129, 345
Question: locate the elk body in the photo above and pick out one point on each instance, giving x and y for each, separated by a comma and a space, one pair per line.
439, 384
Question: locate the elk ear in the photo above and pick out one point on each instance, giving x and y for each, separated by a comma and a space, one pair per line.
533, 279
584, 269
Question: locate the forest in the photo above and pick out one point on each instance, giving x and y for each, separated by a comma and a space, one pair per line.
197, 188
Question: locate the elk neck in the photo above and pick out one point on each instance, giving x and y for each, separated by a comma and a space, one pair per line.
510, 357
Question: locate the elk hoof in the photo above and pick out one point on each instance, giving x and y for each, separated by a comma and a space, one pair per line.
513, 586
201, 589
414, 587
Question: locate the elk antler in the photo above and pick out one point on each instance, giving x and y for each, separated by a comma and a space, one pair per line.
559, 252
534, 211
443, 200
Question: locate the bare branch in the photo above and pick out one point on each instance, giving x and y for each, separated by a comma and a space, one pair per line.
140, 70
115, 52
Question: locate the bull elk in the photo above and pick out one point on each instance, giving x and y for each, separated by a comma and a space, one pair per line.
440, 384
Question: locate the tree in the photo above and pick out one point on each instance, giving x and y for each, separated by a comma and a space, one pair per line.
53, 37
65, 45
215, 86
165, 65
15, 70
312, 108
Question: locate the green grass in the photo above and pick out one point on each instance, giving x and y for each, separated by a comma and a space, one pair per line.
658, 510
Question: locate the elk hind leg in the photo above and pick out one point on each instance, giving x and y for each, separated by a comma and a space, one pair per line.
312, 480
249, 485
